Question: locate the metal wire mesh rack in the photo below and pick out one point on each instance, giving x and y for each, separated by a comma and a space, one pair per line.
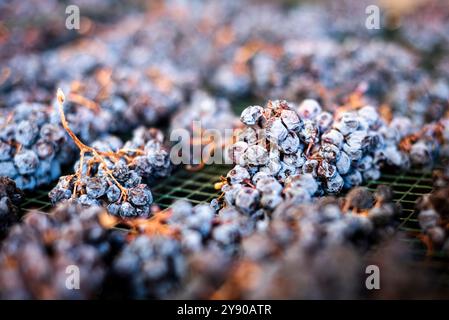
196, 187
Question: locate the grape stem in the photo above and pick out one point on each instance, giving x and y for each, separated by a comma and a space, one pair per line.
98, 156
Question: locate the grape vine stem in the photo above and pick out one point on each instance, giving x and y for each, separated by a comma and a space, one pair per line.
86, 149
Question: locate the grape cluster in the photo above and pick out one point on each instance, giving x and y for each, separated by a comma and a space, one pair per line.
288, 151
151, 267
32, 147
10, 199
336, 272
169, 251
361, 217
36, 255
117, 177
324, 239
346, 226
194, 224
108, 73
158, 96
427, 146
109, 96
113, 177
155, 161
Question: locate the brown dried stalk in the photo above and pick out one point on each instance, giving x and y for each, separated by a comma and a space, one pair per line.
98, 156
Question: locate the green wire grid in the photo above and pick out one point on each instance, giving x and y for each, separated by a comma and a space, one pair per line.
195, 187
37, 201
